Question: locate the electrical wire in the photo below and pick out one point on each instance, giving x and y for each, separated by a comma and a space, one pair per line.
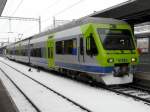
64, 10
69, 7
17, 7
60, 12
50, 6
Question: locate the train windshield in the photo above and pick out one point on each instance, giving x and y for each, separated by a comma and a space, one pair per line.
116, 39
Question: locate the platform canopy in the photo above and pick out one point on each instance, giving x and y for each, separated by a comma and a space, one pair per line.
2, 5
132, 11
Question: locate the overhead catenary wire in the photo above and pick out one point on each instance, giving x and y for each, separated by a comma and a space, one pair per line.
50, 6
69, 7
18, 6
60, 12
65, 9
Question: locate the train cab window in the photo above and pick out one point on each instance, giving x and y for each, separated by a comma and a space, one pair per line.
91, 48
116, 39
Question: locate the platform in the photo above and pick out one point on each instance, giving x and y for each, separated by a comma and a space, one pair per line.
6, 105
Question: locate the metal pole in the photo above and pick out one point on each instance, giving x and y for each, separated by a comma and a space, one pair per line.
54, 22
20, 35
39, 24
8, 40
9, 24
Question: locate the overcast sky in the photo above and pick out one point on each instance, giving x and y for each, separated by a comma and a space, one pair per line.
47, 9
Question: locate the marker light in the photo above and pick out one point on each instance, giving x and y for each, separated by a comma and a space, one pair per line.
110, 60
133, 59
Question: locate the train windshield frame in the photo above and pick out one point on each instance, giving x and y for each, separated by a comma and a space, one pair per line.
116, 39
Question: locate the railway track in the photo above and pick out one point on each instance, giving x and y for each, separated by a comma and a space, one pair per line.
27, 98
139, 93
131, 90
50, 89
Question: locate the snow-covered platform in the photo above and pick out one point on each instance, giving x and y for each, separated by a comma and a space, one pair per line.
6, 104
95, 99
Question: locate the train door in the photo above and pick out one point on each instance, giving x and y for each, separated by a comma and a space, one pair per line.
29, 51
50, 45
81, 50
91, 49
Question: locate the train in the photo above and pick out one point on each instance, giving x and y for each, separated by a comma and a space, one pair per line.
98, 49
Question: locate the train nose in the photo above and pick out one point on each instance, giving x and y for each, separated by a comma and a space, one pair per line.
120, 71
124, 69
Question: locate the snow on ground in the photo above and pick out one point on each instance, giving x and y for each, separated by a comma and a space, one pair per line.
21, 103
44, 99
96, 99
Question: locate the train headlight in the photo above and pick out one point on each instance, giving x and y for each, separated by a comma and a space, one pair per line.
110, 60
133, 59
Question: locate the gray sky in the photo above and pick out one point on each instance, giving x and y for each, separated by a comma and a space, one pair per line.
47, 9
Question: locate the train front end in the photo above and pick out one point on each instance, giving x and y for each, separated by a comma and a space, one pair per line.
116, 53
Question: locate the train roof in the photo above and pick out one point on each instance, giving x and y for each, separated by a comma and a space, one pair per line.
75, 23
79, 22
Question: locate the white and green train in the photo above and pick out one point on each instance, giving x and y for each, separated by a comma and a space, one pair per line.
102, 49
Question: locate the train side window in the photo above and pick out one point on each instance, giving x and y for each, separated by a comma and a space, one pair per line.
59, 47
74, 49
91, 48
48, 52
21, 52
39, 52
26, 52
31, 52
70, 47
36, 52
81, 46
42, 52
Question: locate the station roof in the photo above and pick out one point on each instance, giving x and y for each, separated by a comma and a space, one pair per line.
132, 11
2, 5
